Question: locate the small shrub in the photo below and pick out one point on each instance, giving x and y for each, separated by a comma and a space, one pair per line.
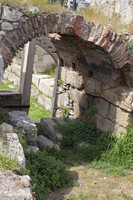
78, 132
60, 82
51, 71
47, 173
92, 108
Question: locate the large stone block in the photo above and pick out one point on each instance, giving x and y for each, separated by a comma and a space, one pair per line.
11, 14
102, 106
46, 86
44, 143
120, 96
14, 186
94, 87
37, 77
72, 77
63, 100
77, 110
119, 116
22, 122
47, 129
76, 95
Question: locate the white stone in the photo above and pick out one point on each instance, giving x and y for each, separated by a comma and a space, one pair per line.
71, 77
45, 86
6, 26
63, 100
36, 78
16, 69
11, 14
33, 10
15, 187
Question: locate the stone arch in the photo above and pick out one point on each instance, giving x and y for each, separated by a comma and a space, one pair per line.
96, 52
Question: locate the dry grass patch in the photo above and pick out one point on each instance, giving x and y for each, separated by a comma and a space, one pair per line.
98, 17
94, 184
43, 5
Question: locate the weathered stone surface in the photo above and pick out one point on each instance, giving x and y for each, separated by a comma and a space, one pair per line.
47, 126
6, 74
102, 107
42, 65
46, 86
33, 10
1, 68
36, 78
16, 69
15, 187
0, 8
93, 87
32, 149
107, 125
71, 77
119, 116
120, 96
45, 101
44, 142
22, 122
84, 102
11, 14
77, 110
13, 78
2, 34
6, 128
63, 100
124, 8
76, 95
6, 26
10, 145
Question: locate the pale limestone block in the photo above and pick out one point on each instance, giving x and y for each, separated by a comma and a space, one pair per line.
37, 77
71, 77
63, 100
46, 86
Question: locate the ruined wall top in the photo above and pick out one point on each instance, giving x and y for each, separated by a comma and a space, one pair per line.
77, 41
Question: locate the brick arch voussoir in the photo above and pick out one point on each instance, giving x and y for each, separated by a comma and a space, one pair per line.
64, 23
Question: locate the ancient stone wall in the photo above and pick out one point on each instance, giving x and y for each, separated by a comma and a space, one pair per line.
123, 8
94, 62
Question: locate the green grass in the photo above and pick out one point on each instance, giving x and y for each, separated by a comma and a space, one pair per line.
5, 86
36, 110
7, 163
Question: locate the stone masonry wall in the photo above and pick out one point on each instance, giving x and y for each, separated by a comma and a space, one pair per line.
95, 62
114, 105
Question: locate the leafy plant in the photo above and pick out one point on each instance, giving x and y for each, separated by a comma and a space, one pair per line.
83, 139
92, 108
60, 82
46, 172
65, 112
